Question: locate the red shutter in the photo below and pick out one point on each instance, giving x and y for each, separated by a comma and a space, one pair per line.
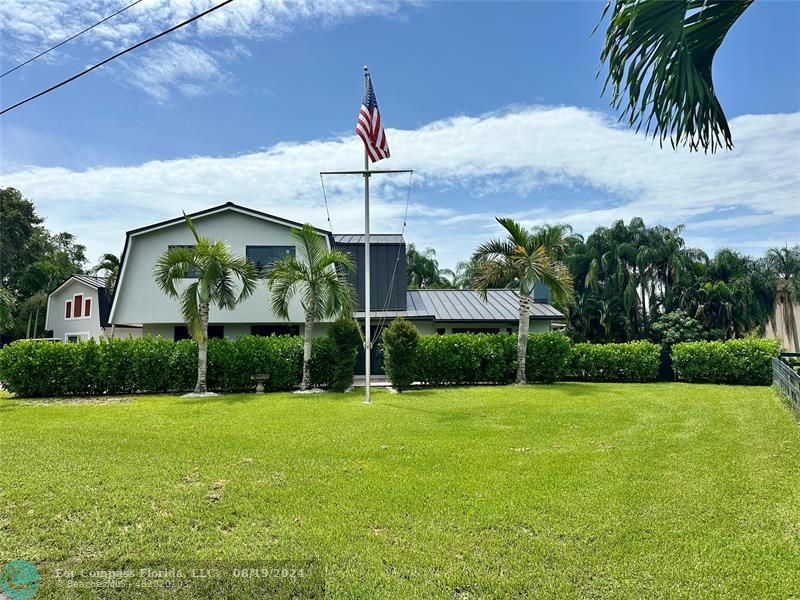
78, 305
68, 311
87, 308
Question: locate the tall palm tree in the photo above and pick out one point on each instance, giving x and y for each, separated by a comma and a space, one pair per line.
319, 276
785, 263
109, 264
213, 268
659, 55
521, 258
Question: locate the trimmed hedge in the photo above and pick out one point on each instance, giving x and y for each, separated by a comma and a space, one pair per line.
400, 344
746, 361
154, 364
629, 362
464, 358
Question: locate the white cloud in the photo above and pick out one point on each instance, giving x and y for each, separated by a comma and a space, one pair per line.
27, 28
517, 154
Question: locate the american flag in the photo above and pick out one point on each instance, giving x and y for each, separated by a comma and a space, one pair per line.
369, 127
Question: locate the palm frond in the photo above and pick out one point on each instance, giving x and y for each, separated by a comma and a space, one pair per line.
171, 267
660, 55
190, 310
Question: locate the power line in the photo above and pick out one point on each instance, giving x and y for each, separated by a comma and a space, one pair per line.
117, 55
69, 39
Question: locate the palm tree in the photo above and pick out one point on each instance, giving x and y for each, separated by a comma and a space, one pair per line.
785, 263
660, 55
213, 267
521, 258
109, 263
320, 278
423, 271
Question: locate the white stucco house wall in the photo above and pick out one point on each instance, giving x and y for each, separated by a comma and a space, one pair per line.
79, 310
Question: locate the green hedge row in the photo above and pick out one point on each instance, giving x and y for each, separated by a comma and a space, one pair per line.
154, 364
464, 358
30, 368
630, 362
746, 361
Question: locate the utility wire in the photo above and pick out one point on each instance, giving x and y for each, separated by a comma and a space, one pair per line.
382, 319
69, 39
117, 55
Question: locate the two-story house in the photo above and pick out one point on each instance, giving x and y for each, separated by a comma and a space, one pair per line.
262, 238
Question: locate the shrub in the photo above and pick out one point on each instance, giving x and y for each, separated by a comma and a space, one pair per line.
676, 327
547, 357
747, 361
399, 342
632, 361
465, 358
154, 364
346, 340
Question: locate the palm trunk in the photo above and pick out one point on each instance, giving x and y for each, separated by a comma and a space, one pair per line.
36, 322
309, 330
522, 339
790, 324
202, 351
28, 333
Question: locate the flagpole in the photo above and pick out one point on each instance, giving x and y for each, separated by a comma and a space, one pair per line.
367, 283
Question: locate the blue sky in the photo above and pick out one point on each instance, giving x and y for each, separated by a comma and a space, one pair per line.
496, 106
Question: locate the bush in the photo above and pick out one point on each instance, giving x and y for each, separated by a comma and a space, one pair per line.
154, 364
547, 357
465, 358
747, 361
632, 361
399, 343
345, 340
676, 327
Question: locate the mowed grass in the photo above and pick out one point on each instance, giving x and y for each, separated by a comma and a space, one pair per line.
579, 490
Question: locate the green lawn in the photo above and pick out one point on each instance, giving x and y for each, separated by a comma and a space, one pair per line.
590, 490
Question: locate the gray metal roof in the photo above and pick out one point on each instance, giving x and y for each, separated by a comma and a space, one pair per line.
91, 280
466, 305
374, 238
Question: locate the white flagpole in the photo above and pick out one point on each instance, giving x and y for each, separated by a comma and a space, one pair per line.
367, 324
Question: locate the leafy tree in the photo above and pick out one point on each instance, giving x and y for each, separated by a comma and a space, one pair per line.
422, 269
676, 327
523, 258
660, 56
18, 221
785, 263
216, 268
319, 277
109, 266
7, 306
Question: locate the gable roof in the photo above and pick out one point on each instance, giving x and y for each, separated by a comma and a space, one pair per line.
228, 206
467, 305
374, 238
91, 280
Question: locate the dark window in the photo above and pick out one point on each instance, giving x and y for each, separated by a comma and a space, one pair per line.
68, 311
440, 331
78, 305
476, 330
192, 273
214, 331
263, 256
268, 329
87, 307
